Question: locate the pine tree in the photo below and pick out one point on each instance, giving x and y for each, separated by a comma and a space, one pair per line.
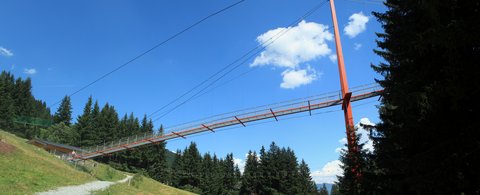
23, 99
356, 165
146, 125
428, 140
107, 123
335, 190
278, 172
90, 133
305, 183
177, 169
64, 112
218, 175
18, 107
229, 173
251, 178
237, 179
122, 127
288, 167
265, 171
84, 123
191, 166
7, 109
323, 190
157, 167
208, 175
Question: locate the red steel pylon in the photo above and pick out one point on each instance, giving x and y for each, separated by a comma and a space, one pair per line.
346, 95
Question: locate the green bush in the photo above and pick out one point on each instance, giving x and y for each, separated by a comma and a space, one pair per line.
137, 179
110, 173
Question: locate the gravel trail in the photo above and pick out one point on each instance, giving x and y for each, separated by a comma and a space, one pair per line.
84, 189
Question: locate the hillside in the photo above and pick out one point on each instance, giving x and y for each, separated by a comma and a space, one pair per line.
26, 169
142, 185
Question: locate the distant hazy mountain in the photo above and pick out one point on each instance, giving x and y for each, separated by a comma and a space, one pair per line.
328, 185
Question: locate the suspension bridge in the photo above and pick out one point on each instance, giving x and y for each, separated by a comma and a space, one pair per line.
238, 118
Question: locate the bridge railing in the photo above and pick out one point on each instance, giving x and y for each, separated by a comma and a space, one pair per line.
257, 109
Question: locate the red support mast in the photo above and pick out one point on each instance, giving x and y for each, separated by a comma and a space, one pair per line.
347, 109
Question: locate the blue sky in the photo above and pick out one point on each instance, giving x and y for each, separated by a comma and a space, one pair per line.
64, 45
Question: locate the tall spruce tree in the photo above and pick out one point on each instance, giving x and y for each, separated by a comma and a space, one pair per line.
107, 123
237, 179
7, 109
191, 168
323, 190
428, 141
158, 169
335, 190
91, 135
305, 183
177, 166
251, 178
288, 169
229, 173
356, 178
207, 185
23, 98
64, 112
84, 124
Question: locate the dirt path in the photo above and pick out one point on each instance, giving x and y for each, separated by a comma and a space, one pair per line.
84, 189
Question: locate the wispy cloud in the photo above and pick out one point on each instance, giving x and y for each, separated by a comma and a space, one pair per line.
333, 58
357, 46
30, 71
5, 52
356, 25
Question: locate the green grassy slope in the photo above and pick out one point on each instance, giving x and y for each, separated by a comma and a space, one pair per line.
142, 185
28, 169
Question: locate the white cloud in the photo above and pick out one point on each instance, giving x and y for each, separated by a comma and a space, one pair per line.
5, 52
302, 43
356, 25
363, 139
365, 121
333, 58
339, 149
357, 46
343, 140
329, 172
240, 163
365, 134
296, 78
30, 71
